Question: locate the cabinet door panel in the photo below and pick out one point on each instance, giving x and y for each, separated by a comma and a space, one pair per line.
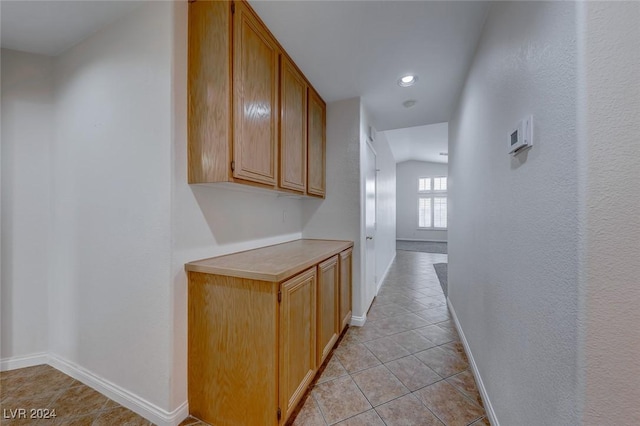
293, 127
328, 328
345, 288
255, 97
209, 101
297, 339
316, 145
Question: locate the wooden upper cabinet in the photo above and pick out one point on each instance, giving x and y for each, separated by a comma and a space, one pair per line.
255, 76
316, 145
209, 100
293, 127
253, 118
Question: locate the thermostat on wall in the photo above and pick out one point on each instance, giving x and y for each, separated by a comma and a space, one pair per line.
521, 137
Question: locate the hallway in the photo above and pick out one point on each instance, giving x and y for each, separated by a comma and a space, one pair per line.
406, 366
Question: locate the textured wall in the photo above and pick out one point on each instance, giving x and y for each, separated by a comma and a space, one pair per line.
611, 74
27, 128
338, 215
407, 174
513, 234
111, 189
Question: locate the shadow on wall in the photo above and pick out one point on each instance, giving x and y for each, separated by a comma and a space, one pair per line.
236, 214
310, 208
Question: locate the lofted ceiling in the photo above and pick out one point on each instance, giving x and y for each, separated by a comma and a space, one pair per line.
361, 48
51, 27
421, 143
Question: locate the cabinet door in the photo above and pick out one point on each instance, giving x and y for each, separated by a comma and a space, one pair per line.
316, 143
209, 100
328, 327
297, 339
293, 127
255, 96
345, 287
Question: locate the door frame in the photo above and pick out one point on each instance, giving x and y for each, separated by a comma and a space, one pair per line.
368, 294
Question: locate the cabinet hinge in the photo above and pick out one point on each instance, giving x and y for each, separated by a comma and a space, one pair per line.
279, 413
233, 165
233, 7
279, 300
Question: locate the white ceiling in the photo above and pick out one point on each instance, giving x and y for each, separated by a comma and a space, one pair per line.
361, 48
345, 48
422, 143
51, 27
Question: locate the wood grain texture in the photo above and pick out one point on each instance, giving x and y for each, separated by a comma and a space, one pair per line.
346, 283
255, 98
272, 263
316, 145
297, 339
233, 350
327, 316
293, 127
209, 89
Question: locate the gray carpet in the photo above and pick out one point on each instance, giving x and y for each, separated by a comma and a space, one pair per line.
441, 271
423, 246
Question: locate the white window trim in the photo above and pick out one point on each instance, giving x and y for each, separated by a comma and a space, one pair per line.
430, 195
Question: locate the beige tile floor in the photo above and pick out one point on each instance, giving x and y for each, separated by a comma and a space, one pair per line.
62, 400
406, 366
43, 387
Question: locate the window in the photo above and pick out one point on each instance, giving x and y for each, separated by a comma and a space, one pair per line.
424, 184
432, 202
440, 184
424, 212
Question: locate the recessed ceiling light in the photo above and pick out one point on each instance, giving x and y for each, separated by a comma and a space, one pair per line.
407, 80
409, 103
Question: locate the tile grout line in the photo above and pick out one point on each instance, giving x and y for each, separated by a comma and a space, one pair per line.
443, 379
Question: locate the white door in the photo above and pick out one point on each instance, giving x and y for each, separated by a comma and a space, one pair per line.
370, 226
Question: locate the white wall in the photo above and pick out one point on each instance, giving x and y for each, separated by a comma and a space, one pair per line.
212, 220
385, 238
27, 127
611, 102
407, 174
338, 215
513, 231
110, 292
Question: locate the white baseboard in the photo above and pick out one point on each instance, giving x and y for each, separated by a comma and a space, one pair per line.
122, 396
358, 321
491, 414
421, 240
16, 362
386, 272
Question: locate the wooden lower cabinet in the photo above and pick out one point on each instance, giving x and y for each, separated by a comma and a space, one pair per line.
297, 339
328, 328
233, 350
257, 340
346, 279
